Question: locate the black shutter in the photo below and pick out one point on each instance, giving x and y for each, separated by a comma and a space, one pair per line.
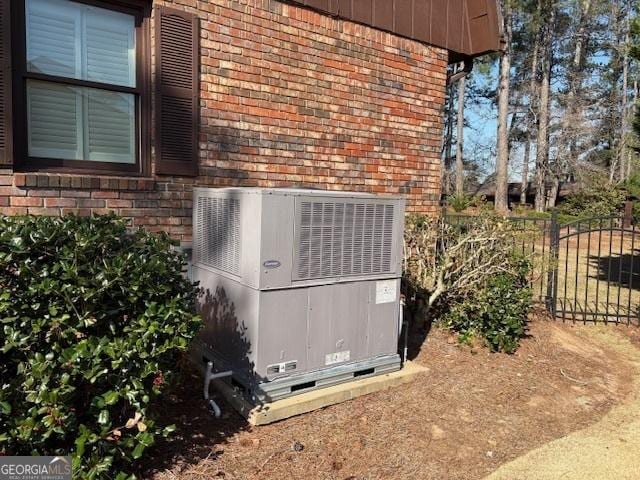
177, 92
6, 154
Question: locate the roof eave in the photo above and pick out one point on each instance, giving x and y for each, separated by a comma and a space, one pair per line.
465, 28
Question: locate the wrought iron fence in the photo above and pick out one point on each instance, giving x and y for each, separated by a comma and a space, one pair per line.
585, 270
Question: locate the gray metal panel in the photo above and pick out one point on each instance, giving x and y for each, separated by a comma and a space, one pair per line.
291, 191
398, 238
276, 259
230, 315
338, 323
383, 322
346, 372
251, 213
283, 330
253, 329
268, 237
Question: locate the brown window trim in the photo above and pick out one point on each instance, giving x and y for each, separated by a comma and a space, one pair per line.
23, 163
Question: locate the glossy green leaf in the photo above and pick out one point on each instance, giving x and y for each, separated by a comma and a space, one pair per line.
80, 349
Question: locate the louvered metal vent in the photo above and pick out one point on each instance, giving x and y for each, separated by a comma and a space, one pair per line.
218, 234
342, 239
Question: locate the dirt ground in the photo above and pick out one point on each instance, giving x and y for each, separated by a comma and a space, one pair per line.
604, 450
470, 413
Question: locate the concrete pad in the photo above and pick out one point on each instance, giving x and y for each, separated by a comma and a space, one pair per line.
309, 401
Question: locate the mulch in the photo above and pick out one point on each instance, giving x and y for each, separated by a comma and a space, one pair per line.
472, 411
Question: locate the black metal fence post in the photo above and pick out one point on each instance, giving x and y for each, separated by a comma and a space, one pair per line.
552, 279
627, 219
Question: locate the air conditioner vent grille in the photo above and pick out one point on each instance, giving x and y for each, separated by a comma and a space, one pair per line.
217, 236
343, 239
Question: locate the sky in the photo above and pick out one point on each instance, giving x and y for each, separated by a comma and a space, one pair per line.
481, 124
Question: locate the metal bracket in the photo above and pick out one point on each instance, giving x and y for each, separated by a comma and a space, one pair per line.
209, 375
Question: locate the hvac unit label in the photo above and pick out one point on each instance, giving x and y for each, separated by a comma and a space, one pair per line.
338, 357
386, 291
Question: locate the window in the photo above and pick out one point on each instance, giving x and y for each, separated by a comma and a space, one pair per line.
81, 86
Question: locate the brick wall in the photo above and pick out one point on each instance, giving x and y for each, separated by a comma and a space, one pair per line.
289, 97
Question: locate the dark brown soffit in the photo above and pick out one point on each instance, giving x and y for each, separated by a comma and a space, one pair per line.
467, 28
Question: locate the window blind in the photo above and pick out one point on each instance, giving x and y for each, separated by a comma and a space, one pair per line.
73, 40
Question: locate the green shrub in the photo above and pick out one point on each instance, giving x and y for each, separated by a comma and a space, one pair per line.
632, 185
535, 214
469, 277
597, 200
94, 321
497, 312
546, 215
461, 202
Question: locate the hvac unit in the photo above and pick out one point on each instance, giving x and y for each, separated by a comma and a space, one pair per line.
300, 287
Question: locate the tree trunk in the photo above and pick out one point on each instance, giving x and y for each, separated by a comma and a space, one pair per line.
542, 153
632, 115
524, 185
502, 160
615, 67
531, 119
460, 138
553, 192
624, 158
624, 127
573, 118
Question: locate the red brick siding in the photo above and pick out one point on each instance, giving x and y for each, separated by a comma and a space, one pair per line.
289, 97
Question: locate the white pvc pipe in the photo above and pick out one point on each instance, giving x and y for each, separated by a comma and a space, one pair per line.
215, 409
208, 376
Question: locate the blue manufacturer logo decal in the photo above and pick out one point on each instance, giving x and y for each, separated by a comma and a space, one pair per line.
271, 264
